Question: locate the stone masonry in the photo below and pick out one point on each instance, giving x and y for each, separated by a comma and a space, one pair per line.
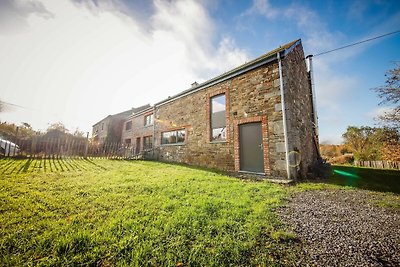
139, 130
298, 98
252, 94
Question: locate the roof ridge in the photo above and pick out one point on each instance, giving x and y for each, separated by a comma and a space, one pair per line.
286, 47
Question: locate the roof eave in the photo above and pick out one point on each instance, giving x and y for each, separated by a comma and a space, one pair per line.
220, 78
265, 59
142, 112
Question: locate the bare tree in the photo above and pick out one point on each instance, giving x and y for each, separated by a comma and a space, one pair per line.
390, 94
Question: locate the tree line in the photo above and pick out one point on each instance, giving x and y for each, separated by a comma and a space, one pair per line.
24, 131
366, 143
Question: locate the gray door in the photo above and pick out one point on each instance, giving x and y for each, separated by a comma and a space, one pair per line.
251, 148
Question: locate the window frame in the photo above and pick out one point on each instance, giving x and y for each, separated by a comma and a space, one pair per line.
176, 143
150, 115
128, 143
210, 113
149, 137
126, 124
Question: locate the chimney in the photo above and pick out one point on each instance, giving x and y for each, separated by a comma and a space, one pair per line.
194, 84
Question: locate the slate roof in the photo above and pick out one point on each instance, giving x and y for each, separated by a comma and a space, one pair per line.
125, 113
264, 59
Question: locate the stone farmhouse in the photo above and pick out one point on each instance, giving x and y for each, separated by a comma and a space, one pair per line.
109, 129
257, 118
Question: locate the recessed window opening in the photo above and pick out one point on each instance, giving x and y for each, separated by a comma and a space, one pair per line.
128, 126
218, 118
173, 137
148, 142
148, 120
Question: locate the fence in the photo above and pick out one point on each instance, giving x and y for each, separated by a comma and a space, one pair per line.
379, 164
72, 147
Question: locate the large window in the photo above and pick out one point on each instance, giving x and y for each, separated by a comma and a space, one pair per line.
147, 142
173, 137
128, 125
148, 119
218, 118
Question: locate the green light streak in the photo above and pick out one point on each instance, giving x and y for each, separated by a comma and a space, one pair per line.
346, 174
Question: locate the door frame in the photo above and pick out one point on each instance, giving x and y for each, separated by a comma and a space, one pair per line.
138, 145
264, 130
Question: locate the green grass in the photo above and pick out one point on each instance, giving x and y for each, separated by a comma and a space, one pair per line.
383, 186
120, 213
366, 178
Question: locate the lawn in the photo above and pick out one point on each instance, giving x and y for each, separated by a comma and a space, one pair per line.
366, 178
136, 213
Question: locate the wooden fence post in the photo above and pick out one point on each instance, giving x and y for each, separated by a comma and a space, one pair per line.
87, 145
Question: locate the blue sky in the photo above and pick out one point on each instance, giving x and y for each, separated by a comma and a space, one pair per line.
78, 61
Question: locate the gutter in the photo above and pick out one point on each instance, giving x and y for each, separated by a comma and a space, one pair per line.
142, 112
284, 115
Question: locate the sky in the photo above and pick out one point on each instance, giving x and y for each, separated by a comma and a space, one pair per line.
77, 61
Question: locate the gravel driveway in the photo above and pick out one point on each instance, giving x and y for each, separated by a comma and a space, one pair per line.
343, 228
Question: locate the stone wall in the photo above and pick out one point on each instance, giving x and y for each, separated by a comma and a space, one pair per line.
127, 134
298, 99
100, 129
252, 96
191, 113
139, 130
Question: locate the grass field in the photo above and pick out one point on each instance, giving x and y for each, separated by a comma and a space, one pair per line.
119, 213
367, 178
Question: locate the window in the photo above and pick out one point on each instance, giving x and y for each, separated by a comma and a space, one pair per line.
148, 142
173, 137
148, 119
102, 126
127, 141
218, 118
128, 126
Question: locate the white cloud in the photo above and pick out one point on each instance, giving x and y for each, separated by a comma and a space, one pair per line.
264, 8
379, 111
331, 85
13, 14
89, 60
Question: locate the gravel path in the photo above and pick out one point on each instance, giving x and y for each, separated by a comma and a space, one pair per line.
343, 228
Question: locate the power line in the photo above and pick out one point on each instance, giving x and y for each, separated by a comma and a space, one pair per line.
364, 41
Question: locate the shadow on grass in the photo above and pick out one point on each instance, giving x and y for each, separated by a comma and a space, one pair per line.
366, 178
25, 167
193, 167
95, 164
19, 165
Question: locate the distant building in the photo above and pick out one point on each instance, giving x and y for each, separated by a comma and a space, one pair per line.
109, 129
138, 130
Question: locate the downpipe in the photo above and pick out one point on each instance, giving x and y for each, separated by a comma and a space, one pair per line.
284, 116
